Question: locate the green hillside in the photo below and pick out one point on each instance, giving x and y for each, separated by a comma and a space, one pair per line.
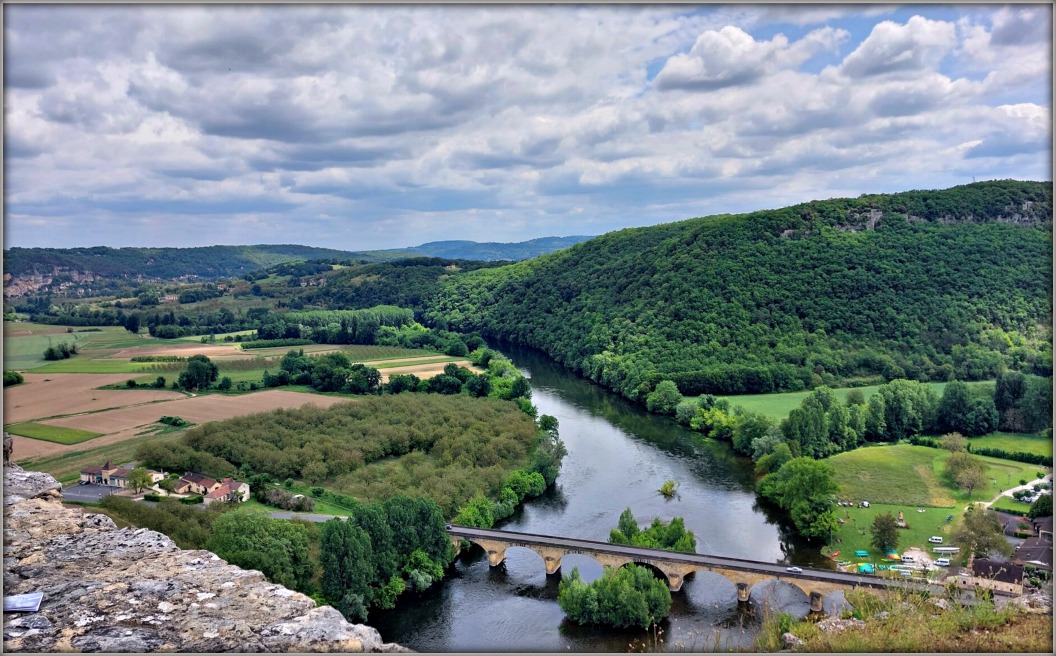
928, 285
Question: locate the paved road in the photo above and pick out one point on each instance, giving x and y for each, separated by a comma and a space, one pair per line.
1008, 493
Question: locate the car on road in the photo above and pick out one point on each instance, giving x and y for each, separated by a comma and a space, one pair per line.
794, 570
447, 526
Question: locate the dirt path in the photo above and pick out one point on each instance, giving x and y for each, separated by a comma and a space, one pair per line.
425, 370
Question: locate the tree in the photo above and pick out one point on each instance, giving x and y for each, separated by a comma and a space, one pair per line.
804, 487
276, 547
980, 533
664, 398
132, 323
966, 471
884, 532
1041, 508
971, 478
140, 479
623, 597
200, 373
954, 442
953, 407
347, 558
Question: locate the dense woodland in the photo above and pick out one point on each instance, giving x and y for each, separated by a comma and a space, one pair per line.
819, 293
448, 448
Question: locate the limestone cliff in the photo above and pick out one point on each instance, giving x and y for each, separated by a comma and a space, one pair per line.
133, 590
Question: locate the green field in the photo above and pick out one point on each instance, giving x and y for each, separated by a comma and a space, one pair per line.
854, 533
79, 364
912, 475
47, 433
219, 337
1036, 444
777, 406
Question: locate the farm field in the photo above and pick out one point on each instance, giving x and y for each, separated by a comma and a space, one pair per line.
778, 405
121, 424
53, 395
66, 465
51, 433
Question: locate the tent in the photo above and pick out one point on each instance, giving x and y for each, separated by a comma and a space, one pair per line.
865, 568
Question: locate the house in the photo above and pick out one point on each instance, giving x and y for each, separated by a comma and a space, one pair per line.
113, 476
1043, 528
192, 483
1003, 577
1036, 552
1015, 526
229, 490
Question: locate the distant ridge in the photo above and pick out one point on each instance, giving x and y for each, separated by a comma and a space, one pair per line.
216, 262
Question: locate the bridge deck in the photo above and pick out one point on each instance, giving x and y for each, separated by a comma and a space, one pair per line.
576, 545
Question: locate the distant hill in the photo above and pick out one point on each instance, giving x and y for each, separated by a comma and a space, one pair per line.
213, 262
492, 251
205, 262
922, 284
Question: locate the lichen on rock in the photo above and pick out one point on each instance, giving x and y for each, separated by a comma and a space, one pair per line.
133, 590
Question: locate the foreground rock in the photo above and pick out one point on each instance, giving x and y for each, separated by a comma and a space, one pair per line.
133, 590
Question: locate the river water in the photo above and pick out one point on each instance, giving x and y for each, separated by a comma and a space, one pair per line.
619, 455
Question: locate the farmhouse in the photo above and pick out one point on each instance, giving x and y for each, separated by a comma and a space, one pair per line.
192, 483
113, 476
229, 490
998, 576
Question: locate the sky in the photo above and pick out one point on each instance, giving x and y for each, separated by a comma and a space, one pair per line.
371, 127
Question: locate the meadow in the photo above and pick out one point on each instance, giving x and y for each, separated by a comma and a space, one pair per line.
912, 475
1036, 444
778, 405
57, 434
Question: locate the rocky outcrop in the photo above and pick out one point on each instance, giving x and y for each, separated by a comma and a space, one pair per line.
133, 590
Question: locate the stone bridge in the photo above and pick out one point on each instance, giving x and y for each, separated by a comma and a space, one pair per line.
815, 583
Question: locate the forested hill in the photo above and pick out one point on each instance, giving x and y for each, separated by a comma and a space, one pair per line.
491, 251
923, 284
208, 262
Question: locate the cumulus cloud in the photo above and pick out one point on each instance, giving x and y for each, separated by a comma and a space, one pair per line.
373, 127
893, 48
730, 57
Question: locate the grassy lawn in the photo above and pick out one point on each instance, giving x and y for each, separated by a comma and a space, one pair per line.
854, 533
777, 406
912, 475
219, 337
1011, 506
47, 433
66, 467
892, 474
1023, 442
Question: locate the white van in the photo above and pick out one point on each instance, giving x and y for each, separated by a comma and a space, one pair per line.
908, 559
935, 539
942, 562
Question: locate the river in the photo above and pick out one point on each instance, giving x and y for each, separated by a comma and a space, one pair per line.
619, 455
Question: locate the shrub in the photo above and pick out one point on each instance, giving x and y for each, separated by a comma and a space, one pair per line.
152, 497
192, 500
130, 383
13, 378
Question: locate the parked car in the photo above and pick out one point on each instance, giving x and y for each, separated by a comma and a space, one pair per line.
794, 570
935, 539
942, 562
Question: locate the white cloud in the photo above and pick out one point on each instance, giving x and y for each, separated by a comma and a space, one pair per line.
901, 49
395, 124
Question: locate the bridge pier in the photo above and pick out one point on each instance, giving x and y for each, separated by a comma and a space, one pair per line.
674, 581
816, 605
743, 592
552, 564
496, 557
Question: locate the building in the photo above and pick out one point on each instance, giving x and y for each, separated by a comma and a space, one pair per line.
1002, 577
192, 483
113, 476
229, 490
